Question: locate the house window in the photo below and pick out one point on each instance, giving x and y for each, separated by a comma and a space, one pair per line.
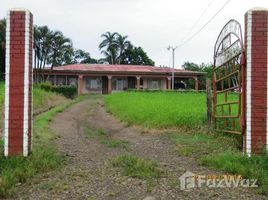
93, 84
153, 84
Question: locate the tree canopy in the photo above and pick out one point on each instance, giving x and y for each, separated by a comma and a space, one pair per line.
203, 67
136, 56
117, 49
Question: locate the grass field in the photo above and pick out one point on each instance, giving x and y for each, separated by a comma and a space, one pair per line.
159, 109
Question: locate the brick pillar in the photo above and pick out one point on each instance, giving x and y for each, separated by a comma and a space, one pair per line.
169, 83
256, 42
18, 85
196, 83
109, 84
80, 84
138, 78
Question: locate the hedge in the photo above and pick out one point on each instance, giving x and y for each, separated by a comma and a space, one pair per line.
69, 91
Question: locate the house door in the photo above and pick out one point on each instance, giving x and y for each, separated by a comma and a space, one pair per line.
104, 85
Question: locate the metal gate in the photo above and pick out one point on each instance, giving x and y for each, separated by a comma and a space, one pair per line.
228, 80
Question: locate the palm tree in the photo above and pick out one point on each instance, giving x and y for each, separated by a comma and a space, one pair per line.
61, 48
43, 37
122, 45
109, 46
51, 47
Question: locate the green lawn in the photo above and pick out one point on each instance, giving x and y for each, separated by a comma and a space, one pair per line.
159, 109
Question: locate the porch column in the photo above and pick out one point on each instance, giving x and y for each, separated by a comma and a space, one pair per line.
80, 84
109, 84
55, 80
138, 78
169, 83
196, 83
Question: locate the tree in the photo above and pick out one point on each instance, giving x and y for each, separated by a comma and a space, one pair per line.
136, 56
81, 56
109, 47
207, 68
118, 50
2, 47
51, 48
122, 45
61, 50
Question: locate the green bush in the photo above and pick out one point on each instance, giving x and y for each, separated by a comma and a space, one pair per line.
67, 91
47, 86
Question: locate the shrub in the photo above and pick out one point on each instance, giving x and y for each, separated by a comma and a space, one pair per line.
46, 86
67, 91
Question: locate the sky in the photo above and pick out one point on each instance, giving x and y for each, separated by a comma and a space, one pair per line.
151, 24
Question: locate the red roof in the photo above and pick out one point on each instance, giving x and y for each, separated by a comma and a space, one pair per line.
118, 68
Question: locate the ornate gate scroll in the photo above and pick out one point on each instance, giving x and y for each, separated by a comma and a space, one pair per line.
228, 80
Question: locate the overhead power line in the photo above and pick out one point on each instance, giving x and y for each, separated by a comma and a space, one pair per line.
197, 21
197, 32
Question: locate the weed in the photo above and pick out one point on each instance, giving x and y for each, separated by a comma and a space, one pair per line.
136, 167
223, 152
115, 143
254, 167
104, 139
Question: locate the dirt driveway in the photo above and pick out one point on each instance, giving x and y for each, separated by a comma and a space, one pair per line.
89, 174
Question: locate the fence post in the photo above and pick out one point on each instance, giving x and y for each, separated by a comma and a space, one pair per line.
209, 103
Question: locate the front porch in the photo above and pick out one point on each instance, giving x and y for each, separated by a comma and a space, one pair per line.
106, 84
109, 84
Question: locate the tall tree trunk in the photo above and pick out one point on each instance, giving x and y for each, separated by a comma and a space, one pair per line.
43, 67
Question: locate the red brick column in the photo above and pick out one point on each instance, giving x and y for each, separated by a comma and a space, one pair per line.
18, 86
256, 42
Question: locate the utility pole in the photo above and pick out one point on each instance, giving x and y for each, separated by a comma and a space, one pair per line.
173, 63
